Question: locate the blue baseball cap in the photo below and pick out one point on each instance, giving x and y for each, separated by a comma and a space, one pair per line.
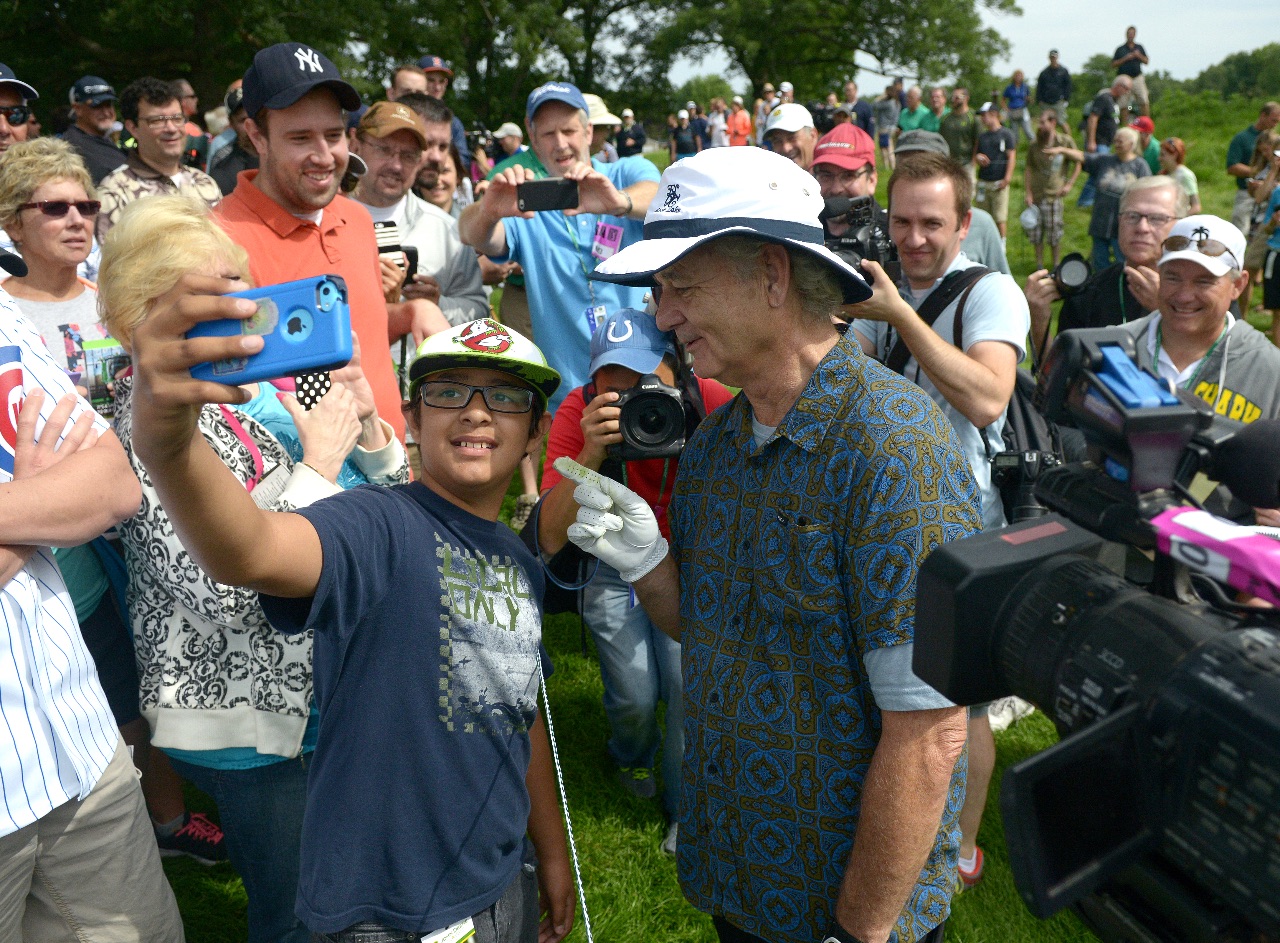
92, 90
632, 339
283, 73
554, 92
436, 64
8, 78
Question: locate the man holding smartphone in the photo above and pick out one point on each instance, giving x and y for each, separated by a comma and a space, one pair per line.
559, 248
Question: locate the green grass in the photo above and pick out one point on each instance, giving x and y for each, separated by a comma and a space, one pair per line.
631, 887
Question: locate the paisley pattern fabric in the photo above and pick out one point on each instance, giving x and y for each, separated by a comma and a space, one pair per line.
796, 559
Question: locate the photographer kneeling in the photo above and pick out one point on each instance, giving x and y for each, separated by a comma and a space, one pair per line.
639, 664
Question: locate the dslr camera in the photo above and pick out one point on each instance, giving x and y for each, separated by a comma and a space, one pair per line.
865, 238
1157, 814
652, 422
1070, 274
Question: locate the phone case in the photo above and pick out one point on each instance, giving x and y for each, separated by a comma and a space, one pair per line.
551, 194
306, 324
310, 388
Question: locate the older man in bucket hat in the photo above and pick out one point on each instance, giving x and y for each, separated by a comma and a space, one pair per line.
822, 780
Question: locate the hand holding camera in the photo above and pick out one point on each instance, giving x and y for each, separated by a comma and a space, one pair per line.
600, 422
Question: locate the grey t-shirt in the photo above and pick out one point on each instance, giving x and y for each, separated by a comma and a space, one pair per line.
65, 325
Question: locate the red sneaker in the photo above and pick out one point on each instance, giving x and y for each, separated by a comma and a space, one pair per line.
971, 878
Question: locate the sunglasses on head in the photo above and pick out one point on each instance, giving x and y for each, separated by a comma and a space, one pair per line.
1205, 246
16, 114
59, 208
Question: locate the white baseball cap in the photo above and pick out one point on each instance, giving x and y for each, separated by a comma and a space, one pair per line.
786, 87
1202, 239
724, 191
682, 113
628, 113
788, 117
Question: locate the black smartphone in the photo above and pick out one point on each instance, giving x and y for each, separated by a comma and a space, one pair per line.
554, 193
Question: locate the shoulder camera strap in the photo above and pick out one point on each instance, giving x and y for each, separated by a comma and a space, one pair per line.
952, 287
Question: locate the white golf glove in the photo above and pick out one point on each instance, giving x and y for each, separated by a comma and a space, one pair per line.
614, 523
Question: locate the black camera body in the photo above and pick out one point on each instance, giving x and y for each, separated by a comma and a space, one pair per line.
865, 238
1157, 815
652, 423
1071, 273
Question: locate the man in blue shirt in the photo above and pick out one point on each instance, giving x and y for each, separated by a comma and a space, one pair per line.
559, 249
822, 780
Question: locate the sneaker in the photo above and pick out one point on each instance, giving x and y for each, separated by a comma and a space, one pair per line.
198, 838
669, 840
971, 878
638, 780
524, 510
1006, 712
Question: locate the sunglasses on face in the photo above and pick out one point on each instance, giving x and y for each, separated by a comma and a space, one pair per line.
1205, 246
445, 394
59, 208
16, 114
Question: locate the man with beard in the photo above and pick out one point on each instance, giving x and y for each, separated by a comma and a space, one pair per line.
1127, 290
288, 213
153, 116
1047, 183
392, 139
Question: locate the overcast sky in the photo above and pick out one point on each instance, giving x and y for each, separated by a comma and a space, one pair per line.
1180, 36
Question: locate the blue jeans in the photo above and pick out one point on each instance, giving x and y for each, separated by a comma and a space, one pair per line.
261, 814
513, 918
1089, 191
639, 665
1103, 249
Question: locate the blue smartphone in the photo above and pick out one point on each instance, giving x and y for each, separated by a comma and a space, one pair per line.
306, 325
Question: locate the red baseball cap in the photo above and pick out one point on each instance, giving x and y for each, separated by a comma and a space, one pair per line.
846, 146
1144, 124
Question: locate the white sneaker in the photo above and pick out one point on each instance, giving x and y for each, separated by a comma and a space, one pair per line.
1006, 712
669, 842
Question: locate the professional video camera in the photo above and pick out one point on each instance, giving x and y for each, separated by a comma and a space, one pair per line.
865, 237
479, 137
1157, 815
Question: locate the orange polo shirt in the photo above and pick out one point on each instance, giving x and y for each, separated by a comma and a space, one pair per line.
283, 248
739, 127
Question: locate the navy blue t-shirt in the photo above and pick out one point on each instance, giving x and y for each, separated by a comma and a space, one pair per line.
427, 640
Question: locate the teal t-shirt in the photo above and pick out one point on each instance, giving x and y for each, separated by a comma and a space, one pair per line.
86, 580
913, 119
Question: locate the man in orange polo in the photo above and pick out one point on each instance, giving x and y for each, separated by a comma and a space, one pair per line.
289, 215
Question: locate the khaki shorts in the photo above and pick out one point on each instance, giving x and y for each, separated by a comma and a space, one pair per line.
995, 200
1141, 100
89, 870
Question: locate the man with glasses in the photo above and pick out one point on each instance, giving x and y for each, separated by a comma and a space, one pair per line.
93, 101
1124, 291
14, 111
392, 139
153, 116
844, 164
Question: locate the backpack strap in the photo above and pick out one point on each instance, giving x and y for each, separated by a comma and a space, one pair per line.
952, 286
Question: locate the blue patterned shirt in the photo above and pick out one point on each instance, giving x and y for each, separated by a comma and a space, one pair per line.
796, 559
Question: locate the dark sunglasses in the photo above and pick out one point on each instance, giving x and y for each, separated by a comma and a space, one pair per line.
16, 114
445, 394
1205, 246
59, 208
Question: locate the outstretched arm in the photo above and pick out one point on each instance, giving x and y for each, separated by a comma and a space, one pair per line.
233, 540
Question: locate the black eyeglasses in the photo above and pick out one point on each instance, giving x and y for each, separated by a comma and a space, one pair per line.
16, 114
59, 208
1156, 220
445, 394
1203, 245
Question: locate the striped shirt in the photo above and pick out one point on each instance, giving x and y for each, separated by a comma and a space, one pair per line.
56, 732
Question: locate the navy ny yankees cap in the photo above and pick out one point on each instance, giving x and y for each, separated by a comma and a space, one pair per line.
283, 73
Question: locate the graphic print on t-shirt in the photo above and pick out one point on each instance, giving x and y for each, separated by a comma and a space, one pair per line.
489, 637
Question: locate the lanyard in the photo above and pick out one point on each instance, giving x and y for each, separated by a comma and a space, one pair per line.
577, 246
1124, 318
254, 452
1203, 360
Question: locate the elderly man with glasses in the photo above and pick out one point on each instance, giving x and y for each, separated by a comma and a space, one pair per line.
153, 115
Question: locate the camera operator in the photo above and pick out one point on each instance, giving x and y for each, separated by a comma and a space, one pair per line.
970, 377
1124, 291
639, 665
844, 164
1196, 342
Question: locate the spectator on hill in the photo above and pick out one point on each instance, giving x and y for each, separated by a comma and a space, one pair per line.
1240, 163
859, 110
961, 128
1111, 174
1148, 143
1016, 96
683, 142
996, 157
1100, 128
739, 124
1173, 161
937, 110
1053, 87
913, 113
631, 137
885, 110
1046, 183
1128, 60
